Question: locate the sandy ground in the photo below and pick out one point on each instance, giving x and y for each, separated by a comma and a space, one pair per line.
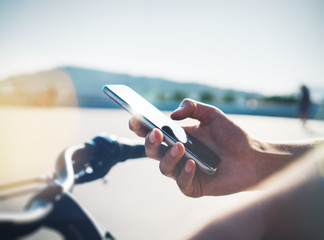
137, 202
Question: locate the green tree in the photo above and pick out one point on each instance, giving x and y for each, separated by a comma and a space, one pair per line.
207, 96
179, 96
281, 99
229, 97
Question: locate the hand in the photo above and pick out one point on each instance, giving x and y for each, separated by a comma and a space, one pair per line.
237, 170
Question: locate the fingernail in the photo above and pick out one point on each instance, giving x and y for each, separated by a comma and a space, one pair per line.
188, 167
152, 137
174, 151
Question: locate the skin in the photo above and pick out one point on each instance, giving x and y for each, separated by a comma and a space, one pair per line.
291, 208
245, 161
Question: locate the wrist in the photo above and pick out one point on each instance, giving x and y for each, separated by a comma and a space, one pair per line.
270, 157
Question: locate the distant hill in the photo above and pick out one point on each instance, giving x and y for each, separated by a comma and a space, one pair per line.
74, 86
71, 86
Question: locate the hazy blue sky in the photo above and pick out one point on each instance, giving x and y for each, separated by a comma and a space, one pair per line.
268, 46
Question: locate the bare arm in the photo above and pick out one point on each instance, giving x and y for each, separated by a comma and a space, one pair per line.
292, 208
271, 157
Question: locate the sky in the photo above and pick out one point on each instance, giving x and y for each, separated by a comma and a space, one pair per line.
271, 47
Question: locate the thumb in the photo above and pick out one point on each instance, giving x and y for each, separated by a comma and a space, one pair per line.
192, 109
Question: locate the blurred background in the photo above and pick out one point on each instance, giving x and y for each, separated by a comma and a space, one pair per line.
239, 55
249, 58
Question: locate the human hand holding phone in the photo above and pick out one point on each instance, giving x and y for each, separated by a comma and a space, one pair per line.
237, 170
152, 118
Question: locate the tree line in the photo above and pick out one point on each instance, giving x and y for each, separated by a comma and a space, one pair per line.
226, 97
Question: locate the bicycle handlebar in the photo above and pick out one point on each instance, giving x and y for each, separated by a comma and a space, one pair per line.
64, 168
99, 155
77, 164
41, 205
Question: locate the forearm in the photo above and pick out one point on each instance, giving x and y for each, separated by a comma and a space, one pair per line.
271, 157
293, 205
291, 208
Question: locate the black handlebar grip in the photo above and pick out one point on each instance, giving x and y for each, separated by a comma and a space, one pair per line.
101, 154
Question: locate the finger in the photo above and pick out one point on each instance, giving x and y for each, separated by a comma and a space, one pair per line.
169, 163
196, 110
153, 147
137, 127
186, 178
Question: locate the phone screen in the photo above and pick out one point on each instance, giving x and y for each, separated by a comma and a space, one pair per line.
206, 159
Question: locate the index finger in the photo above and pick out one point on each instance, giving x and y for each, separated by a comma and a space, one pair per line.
138, 127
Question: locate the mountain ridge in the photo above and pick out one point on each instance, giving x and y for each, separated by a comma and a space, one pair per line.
85, 84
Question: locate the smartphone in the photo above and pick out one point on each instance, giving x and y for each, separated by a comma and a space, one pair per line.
145, 112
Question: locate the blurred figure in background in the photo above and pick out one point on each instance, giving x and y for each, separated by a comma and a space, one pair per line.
304, 104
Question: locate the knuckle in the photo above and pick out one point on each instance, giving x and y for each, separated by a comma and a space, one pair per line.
184, 189
163, 168
148, 152
151, 152
188, 101
182, 181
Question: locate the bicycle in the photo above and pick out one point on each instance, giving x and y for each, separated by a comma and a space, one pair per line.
53, 205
